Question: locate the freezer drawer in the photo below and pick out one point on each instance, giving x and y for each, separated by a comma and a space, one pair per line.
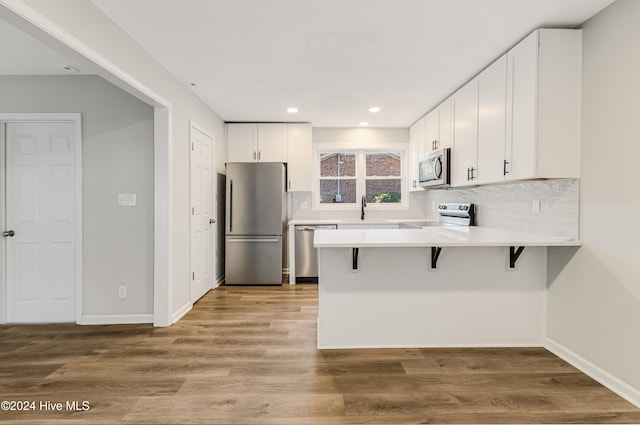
306, 255
253, 260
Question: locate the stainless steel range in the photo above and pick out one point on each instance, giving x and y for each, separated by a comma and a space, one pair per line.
450, 214
456, 214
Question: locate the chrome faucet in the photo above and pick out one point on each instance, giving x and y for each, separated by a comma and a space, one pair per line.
364, 204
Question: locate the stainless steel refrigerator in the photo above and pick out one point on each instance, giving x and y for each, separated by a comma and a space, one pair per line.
255, 223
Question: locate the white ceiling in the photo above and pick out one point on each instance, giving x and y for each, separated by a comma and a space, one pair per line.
333, 59
24, 55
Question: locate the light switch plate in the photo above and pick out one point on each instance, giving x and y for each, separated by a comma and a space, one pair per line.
535, 206
126, 199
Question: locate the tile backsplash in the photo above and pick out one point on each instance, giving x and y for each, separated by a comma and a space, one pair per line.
509, 206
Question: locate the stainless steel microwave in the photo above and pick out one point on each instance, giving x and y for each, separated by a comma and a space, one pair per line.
434, 170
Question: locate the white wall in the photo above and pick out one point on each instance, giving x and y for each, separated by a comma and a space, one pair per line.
82, 20
117, 132
509, 206
594, 302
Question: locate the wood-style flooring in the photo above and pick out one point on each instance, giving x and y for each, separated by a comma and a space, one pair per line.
247, 355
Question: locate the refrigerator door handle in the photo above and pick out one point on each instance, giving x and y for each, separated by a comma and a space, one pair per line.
230, 205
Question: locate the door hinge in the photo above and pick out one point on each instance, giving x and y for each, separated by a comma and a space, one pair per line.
192, 147
193, 211
193, 275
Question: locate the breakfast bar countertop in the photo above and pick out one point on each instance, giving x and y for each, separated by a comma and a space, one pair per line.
434, 236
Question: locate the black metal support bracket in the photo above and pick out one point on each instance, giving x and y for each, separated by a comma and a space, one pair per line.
354, 258
435, 253
514, 254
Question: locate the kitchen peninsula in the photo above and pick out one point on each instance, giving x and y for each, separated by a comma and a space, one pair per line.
432, 287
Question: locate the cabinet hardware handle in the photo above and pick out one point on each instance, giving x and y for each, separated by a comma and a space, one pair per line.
505, 172
473, 173
254, 155
259, 155
468, 174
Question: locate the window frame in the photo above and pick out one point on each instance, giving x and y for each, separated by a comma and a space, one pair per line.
361, 178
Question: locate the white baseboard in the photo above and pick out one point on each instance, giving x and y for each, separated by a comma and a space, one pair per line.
115, 319
218, 282
388, 346
181, 312
615, 384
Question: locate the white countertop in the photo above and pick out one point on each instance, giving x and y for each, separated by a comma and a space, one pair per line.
432, 237
303, 221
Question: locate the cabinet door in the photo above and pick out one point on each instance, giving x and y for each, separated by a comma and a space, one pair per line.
465, 135
522, 89
445, 125
272, 142
241, 142
433, 130
414, 158
299, 157
422, 137
492, 98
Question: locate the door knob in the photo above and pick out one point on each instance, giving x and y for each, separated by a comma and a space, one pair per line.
212, 220
9, 233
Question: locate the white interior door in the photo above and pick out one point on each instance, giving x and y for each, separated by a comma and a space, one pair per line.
41, 211
202, 214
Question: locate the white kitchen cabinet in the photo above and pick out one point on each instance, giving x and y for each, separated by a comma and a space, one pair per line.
432, 126
492, 107
299, 157
272, 142
464, 153
249, 142
422, 137
242, 140
414, 159
438, 125
543, 105
445, 124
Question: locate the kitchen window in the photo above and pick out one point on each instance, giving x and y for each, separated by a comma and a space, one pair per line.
345, 176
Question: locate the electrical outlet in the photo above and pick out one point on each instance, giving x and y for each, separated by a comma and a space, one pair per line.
122, 291
535, 206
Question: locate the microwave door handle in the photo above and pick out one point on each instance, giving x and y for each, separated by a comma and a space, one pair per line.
437, 168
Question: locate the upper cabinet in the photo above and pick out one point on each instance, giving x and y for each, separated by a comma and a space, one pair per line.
248, 142
274, 142
414, 158
519, 119
464, 155
299, 164
492, 119
544, 77
439, 127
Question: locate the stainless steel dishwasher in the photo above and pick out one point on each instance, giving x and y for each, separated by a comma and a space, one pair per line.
306, 254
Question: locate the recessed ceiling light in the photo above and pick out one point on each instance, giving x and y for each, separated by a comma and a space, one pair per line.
69, 68
292, 110
374, 109
364, 124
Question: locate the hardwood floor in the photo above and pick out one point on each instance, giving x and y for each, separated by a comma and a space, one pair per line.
247, 355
